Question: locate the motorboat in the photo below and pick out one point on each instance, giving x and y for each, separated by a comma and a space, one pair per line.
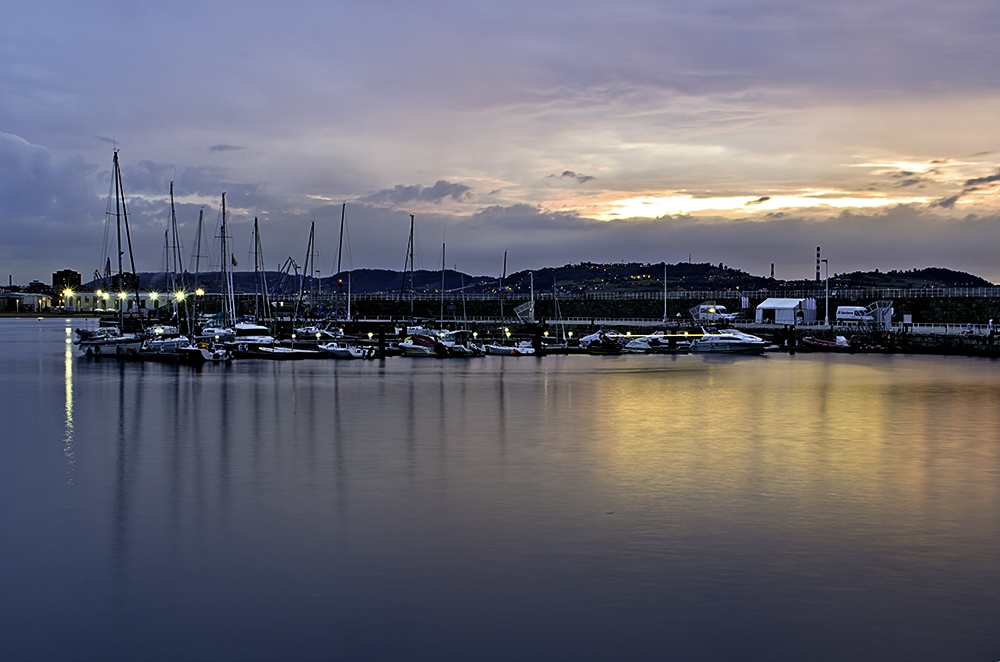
659, 343
107, 340
165, 339
603, 342
421, 345
204, 353
341, 349
460, 344
211, 333
249, 336
728, 341
278, 353
523, 348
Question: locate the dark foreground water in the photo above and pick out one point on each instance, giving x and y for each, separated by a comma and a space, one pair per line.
565, 508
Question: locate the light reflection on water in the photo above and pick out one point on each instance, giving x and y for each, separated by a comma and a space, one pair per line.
774, 507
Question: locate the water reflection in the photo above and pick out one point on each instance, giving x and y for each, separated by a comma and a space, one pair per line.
68, 434
584, 507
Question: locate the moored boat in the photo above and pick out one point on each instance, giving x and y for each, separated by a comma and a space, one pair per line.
728, 341
204, 353
341, 349
107, 341
659, 343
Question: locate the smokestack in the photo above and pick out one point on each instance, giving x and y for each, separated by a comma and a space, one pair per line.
817, 264
772, 270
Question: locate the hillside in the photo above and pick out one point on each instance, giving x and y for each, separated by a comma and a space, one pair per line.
582, 277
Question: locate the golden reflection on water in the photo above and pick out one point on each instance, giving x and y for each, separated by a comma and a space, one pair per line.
69, 432
851, 439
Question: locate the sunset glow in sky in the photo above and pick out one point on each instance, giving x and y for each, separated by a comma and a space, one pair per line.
742, 132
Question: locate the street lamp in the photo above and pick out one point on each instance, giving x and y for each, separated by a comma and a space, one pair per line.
826, 307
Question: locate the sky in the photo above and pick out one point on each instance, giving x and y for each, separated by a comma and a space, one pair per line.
742, 132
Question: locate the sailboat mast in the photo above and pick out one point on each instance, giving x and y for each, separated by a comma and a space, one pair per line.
442, 284
664, 291
260, 273
229, 301
340, 249
412, 293
197, 268
256, 269
502, 277
531, 311
306, 270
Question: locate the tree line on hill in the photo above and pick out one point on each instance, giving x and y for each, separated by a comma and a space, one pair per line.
582, 277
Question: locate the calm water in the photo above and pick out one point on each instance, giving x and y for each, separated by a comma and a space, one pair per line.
759, 508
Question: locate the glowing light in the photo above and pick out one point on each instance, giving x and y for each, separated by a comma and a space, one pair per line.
179, 295
122, 295
199, 292
154, 296
674, 205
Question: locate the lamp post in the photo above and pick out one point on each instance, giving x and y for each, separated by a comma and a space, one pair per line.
826, 306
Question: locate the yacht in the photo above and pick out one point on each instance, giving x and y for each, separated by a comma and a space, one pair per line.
107, 340
728, 341
659, 343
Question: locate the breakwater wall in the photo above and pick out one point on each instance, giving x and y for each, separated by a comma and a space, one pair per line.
976, 310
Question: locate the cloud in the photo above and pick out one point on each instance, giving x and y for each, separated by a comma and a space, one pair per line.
569, 174
400, 195
983, 180
763, 198
224, 148
946, 203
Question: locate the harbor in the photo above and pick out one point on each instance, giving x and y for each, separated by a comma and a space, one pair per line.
579, 507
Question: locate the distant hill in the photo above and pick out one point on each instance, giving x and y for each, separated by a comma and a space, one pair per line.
582, 277
915, 278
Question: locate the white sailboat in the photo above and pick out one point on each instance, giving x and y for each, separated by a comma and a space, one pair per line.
110, 339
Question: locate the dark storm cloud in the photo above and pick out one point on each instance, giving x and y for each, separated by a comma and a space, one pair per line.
400, 194
759, 200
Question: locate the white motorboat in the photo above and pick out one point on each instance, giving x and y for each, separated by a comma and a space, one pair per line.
523, 348
460, 344
659, 343
165, 339
216, 333
277, 353
731, 341
345, 350
249, 336
107, 340
603, 342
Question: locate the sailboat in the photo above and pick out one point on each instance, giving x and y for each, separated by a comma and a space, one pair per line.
166, 339
111, 339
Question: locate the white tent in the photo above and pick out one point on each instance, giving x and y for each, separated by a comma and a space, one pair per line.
786, 311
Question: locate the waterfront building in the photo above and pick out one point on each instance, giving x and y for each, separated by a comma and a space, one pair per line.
787, 311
